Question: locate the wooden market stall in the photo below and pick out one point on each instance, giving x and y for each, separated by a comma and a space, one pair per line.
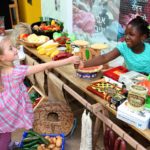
65, 77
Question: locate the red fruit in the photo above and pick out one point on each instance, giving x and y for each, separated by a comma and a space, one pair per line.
23, 36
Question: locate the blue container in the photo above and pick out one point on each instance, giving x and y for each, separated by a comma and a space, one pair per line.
51, 135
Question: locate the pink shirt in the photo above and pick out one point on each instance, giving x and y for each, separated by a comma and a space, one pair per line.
15, 106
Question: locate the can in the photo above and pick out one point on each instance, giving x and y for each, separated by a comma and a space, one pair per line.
136, 97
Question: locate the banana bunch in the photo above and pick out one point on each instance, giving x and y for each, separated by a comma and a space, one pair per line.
42, 51
51, 50
48, 44
47, 48
54, 53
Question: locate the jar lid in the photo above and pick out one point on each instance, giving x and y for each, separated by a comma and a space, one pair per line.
99, 46
139, 89
80, 43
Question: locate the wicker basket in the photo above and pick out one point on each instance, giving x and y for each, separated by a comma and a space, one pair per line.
53, 118
33, 45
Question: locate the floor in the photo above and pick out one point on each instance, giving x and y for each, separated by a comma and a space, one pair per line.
71, 142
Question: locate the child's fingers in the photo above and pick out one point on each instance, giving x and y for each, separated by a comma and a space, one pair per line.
81, 65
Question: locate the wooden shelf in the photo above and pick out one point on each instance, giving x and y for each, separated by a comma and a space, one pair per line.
14, 15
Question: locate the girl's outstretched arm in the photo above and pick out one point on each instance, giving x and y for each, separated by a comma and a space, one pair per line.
101, 59
52, 64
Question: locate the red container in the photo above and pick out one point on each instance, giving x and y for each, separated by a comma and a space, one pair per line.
115, 73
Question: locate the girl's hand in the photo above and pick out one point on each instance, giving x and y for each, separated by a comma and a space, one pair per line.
81, 65
74, 59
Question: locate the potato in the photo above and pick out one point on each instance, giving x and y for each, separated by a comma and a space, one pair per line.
47, 137
56, 148
43, 145
59, 141
53, 140
51, 146
40, 148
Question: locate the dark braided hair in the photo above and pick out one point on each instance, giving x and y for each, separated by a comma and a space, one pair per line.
141, 25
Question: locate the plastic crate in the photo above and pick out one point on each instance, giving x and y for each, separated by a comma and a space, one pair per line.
51, 135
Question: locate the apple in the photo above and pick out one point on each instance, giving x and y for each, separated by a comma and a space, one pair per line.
72, 37
56, 35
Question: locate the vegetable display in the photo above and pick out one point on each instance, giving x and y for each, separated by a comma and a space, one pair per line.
47, 27
35, 141
35, 98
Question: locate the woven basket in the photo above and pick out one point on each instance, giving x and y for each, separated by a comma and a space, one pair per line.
33, 45
53, 118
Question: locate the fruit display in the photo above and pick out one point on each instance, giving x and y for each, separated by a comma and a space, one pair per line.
33, 140
47, 27
61, 38
33, 40
49, 48
52, 27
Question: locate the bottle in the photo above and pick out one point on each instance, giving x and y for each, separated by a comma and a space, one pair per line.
76, 52
68, 46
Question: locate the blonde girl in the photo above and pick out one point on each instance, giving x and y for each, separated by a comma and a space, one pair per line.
15, 107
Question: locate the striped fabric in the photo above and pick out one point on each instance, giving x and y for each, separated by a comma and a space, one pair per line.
15, 106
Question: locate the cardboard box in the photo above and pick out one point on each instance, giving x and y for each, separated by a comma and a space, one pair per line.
130, 78
139, 119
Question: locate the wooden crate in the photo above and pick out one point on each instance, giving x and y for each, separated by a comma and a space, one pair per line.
42, 97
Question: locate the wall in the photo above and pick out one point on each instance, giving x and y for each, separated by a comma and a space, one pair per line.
58, 9
29, 13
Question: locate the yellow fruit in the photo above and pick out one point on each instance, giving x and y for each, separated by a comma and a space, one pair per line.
42, 51
47, 44
54, 53
48, 53
53, 22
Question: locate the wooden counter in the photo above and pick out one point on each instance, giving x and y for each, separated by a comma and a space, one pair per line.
68, 72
